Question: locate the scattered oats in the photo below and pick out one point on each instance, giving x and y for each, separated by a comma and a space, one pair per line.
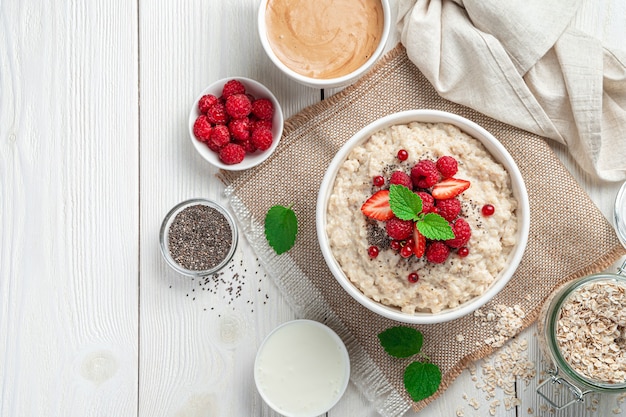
621, 398
474, 403
492, 407
617, 411
460, 338
530, 411
543, 407
501, 371
459, 412
508, 321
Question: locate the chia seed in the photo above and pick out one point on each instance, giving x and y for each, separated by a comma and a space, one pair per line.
199, 238
377, 236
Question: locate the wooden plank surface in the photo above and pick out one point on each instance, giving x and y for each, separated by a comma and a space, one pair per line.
94, 150
69, 206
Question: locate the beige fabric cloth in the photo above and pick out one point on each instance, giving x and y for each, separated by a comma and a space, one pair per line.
294, 172
521, 62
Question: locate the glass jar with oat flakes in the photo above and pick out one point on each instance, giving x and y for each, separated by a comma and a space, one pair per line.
582, 331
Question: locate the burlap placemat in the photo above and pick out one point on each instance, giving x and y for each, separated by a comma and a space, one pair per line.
569, 236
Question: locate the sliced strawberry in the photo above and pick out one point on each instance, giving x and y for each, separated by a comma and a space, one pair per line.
449, 188
420, 243
377, 206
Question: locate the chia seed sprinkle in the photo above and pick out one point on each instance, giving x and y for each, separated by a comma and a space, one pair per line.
199, 238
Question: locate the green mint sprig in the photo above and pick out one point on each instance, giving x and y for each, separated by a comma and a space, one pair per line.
407, 205
281, 228
421, 378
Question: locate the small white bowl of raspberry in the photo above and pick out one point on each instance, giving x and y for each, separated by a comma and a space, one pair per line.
235, 123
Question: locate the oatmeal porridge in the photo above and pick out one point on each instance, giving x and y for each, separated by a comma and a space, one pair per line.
440, 286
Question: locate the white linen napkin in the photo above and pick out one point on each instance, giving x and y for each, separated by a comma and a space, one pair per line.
521, 62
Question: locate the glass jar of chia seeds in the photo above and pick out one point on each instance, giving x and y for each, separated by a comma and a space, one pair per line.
198, 237
582, 331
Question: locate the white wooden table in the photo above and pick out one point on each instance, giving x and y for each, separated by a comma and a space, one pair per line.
94, 150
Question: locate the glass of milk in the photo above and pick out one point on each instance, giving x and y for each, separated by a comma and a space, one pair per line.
302, 369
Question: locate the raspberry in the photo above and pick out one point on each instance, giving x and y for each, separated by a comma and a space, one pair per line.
428, 202
262, 139
449, 209
258, 124
424, 174
202, 128
248, 146
447, 166
462, 233
399, 229
238, 106
232, 153
216, 114
263, 109
219, 138
437, 252
233, 87
205, 102
401, 178
239, 129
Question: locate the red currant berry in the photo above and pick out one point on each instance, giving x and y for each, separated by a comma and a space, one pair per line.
488, 209
410, 242
413, 277
372, 251
406, 251
379, 181
403, 155
395, 245
463, 252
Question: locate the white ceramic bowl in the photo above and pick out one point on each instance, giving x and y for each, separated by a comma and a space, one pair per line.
258, 90
328, 82
499, 153
302, 369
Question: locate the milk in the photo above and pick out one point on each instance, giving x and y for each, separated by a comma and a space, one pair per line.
302, 369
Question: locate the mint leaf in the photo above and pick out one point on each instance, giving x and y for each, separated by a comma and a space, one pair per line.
401, 341
421, 380
435, 227
405, 204
281, 228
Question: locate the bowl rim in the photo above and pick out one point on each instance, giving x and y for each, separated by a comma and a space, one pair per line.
331, 333
499, 153
164, 233
325, 82
250, 160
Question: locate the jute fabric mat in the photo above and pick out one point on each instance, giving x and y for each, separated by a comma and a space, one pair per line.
569, 236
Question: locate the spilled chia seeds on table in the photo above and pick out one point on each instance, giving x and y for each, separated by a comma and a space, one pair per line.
227, 286
199, 238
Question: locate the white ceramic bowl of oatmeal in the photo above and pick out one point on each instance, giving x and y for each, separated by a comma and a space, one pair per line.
462, 283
